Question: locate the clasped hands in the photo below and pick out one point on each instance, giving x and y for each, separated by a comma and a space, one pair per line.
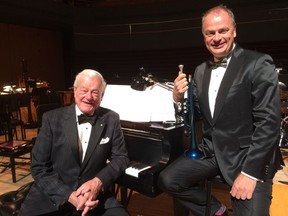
84, 198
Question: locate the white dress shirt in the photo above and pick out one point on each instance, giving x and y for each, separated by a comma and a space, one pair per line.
84, 132
217, 75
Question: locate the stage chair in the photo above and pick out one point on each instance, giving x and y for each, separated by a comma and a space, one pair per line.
9, 126
15, 149
16, 120
4, 126
26, 116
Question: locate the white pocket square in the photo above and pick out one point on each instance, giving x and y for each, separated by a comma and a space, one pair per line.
104, 140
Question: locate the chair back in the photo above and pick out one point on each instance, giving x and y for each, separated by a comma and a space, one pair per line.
10, 116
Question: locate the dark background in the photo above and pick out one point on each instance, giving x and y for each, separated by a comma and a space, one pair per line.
59, 38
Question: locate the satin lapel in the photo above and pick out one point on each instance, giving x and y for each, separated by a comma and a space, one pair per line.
71, 132
204, 104
228, 79
94, 140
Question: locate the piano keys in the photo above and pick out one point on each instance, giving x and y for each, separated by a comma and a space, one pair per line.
135, 168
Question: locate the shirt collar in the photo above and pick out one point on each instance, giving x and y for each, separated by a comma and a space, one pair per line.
78, 112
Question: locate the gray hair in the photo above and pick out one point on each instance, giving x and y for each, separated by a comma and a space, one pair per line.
217, 9
89, 73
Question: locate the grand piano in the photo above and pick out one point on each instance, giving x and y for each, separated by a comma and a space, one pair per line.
152, 134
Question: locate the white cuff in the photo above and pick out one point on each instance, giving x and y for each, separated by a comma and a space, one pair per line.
256, 179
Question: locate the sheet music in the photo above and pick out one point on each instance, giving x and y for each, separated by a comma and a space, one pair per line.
153, 104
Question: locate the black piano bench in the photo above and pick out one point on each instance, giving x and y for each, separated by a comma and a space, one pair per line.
10, 202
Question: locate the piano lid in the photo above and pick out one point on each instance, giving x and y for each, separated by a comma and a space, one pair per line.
154, 104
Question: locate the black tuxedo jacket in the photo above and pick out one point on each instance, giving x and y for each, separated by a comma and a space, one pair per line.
56, 166
243, 132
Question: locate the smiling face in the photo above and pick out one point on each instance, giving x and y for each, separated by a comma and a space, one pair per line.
219, 31
88, 94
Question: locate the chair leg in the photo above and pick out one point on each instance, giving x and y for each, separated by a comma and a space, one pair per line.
23, 133
208, 197
14, 134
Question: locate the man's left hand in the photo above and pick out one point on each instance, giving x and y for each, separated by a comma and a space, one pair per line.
243, 187
90, 188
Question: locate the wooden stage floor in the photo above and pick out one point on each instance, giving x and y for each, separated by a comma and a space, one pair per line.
161, 205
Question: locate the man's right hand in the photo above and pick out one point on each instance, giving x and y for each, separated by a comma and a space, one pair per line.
180, 87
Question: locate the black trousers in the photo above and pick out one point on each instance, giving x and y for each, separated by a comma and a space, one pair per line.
183, 180
69, 210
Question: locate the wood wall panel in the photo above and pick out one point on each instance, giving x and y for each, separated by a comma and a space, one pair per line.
121, 66
41, 50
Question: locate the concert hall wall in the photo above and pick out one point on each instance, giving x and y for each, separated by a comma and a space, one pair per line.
117, 41
159, 38
40, 50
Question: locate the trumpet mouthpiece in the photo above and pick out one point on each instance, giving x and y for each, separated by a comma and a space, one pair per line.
181, 67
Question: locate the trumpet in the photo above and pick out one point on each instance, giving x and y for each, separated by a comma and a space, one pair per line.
189, 123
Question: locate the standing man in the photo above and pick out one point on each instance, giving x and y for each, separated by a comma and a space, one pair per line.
239, 104
79, 153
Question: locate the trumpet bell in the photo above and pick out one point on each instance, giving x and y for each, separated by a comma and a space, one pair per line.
193, 153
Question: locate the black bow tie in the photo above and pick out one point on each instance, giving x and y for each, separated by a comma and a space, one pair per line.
84, 118
222, 63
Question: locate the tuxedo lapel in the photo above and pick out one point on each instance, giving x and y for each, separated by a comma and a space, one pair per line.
205, 102
71, 131
228, 79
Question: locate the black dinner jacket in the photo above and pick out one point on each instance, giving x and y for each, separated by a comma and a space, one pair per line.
56, 166
243, 132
